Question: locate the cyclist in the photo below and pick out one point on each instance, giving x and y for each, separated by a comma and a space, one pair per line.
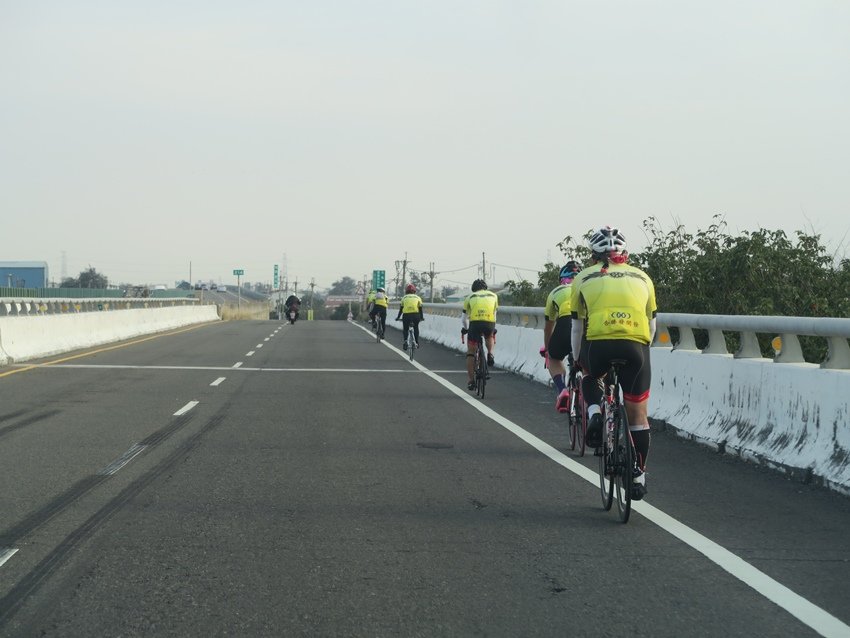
370, 299
557, 333
479, 320
379, 307
410, 313
616, 305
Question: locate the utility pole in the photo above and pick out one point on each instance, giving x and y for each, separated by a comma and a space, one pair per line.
403, 274
310, 310
483, 266
432, 273
295, 289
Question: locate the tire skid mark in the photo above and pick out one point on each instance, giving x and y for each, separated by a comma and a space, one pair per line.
30, 583
30, 420
12, 415
41, 516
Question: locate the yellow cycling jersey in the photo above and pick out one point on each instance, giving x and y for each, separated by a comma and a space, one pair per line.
481, 306
411, 304
370, 297
616, 303
381, 299
558, 303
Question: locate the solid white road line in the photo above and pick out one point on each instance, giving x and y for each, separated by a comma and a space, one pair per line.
249, 354
217, 381
128, 456
186, 408
6, 553
805, 611
238, 364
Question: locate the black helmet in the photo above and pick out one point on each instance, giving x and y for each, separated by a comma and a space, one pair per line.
570, 270
479, 284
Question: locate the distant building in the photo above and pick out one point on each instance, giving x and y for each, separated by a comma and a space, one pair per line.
23, 274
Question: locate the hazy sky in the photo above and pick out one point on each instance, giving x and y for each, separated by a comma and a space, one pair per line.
140, 136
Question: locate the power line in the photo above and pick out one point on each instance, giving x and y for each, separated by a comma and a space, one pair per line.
537, 270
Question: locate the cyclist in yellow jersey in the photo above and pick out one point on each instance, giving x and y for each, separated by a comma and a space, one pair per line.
613, 310
379, 307
479, 321
557, 334
370, 300
410, 314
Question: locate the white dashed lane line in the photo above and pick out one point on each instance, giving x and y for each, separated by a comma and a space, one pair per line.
259, 345
217, 381
6, 553
249, 354
186, 408
238, 364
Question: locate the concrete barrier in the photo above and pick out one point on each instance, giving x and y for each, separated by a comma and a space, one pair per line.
30, 337
791, 416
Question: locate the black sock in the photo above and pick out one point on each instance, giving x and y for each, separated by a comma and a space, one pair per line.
641, 440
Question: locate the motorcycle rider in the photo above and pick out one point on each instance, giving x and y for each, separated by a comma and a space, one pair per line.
292, 303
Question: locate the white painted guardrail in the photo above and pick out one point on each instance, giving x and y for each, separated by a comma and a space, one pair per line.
30, 336
780, 412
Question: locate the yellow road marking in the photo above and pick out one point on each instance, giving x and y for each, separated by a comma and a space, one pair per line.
99, 350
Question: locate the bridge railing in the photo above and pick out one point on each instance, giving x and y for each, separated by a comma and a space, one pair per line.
26, 306
785, 330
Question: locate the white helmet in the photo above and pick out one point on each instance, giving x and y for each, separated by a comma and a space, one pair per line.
607, 240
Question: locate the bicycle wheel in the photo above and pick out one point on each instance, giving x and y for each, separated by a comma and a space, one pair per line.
606, 483
572, 417
480, 370
411, 343
625, 463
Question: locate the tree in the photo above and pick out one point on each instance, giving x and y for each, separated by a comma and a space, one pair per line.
345, 286
88, 278
522, 293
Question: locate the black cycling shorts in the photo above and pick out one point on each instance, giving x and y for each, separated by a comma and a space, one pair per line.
560, 343
478, 328
635, 376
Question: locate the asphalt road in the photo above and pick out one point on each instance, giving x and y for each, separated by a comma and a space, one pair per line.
327, 487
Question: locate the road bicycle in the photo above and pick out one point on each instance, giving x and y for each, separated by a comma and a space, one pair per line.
617, 455
411, 341
480, 367
378, 324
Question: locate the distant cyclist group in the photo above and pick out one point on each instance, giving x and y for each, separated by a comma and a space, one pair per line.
600, 314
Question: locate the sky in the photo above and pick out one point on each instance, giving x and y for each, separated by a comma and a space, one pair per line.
148, 138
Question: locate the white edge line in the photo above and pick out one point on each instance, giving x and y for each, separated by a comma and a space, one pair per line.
218, 381
6, 553
128, 456
802, 609
238, 364
186, 408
